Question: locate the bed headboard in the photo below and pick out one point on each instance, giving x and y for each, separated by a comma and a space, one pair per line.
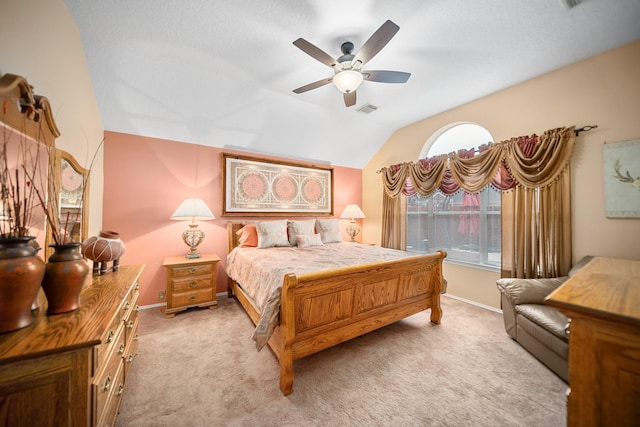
232, 237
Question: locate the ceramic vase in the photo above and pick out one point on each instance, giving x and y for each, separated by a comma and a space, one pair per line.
102, 249
21, 273
64, 277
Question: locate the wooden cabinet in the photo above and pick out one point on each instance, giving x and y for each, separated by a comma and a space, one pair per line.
603, 302
190, 283
71, 368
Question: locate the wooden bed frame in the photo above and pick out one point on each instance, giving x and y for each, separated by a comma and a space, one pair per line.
320, 310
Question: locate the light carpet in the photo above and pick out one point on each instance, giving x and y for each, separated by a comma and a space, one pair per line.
202, 369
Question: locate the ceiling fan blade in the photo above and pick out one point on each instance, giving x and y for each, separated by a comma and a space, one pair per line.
314, 85
314, 51
376, 42
383, 76
350, 98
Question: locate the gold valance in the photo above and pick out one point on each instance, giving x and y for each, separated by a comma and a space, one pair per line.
526, 161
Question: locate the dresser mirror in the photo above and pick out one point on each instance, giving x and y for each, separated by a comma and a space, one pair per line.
72, 184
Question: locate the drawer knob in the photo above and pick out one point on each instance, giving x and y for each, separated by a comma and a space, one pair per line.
192, 284
120, 389
193, 298
121, 349
137, 308
130, 358
107, 384
193, 270
137, 286
135, 338
127, 305
130, 324
110, 336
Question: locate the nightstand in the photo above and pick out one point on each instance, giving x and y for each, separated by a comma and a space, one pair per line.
190, 282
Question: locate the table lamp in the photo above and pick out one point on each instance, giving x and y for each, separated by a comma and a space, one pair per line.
352, 212
194, 210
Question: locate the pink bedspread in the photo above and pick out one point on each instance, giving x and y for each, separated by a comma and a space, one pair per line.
260, 272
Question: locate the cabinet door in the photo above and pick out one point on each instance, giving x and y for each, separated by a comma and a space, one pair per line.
47, 391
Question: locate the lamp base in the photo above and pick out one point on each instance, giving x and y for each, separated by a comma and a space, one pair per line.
192, 238
353, 230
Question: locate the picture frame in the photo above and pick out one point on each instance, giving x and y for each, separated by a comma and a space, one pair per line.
253, 186
621, 167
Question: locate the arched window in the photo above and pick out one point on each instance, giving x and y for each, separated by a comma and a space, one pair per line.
466, 225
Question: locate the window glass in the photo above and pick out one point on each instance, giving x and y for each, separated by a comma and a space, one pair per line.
465, 225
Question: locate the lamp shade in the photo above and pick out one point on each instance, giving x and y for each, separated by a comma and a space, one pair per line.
352, 212
348, 80
194, 210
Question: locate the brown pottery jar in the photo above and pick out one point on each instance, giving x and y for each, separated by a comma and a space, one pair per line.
64, 278
21, 273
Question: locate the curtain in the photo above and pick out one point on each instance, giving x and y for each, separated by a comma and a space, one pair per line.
533, 174
393, 223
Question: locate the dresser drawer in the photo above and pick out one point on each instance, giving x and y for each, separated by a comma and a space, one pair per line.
194, 297
109, 378
194, 283
111, 335
130, 302
109, 400
192, 270
131, 352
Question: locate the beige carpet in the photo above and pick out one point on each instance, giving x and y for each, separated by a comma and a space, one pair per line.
201, 369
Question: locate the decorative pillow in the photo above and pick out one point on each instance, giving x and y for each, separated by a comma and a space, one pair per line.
305, 227
308, 240
272, 233
247, 236
329, 230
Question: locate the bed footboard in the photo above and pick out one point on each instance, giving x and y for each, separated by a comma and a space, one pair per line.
320, 310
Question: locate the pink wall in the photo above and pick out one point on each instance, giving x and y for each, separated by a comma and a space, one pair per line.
145, 179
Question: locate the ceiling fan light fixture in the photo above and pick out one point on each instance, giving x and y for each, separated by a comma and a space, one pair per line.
348, 81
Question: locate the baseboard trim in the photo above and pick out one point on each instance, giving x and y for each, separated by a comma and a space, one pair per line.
477, 304
146, 307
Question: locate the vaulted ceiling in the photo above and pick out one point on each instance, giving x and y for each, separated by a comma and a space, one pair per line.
221, 73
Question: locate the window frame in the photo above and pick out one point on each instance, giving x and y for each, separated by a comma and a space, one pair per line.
480, 259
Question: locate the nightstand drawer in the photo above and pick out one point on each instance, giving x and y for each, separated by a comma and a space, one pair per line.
195, 283
194, 297
192, 270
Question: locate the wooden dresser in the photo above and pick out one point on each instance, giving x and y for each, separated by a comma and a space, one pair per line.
190, 282
603, 302
70, 369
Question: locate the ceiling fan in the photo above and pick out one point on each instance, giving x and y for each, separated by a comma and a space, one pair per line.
348, 67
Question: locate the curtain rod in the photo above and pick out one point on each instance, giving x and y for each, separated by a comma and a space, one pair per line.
586, 128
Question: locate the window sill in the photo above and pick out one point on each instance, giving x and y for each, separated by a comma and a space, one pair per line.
485, 267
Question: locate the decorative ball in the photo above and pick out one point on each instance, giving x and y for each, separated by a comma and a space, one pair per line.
106, 246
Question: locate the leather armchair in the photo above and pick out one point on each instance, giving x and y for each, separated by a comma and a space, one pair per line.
540, 329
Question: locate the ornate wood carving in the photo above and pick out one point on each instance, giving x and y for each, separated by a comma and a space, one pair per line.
25, 111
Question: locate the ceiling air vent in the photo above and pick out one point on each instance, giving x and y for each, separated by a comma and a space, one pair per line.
568, 4
367, 108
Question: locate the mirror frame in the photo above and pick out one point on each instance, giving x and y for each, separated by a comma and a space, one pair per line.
61, 155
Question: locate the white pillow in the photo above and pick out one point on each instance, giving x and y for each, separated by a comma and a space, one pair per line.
272, 233
308, 240
305, 227
329, 230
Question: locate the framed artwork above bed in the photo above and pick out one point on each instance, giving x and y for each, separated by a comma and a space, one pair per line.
254, 186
